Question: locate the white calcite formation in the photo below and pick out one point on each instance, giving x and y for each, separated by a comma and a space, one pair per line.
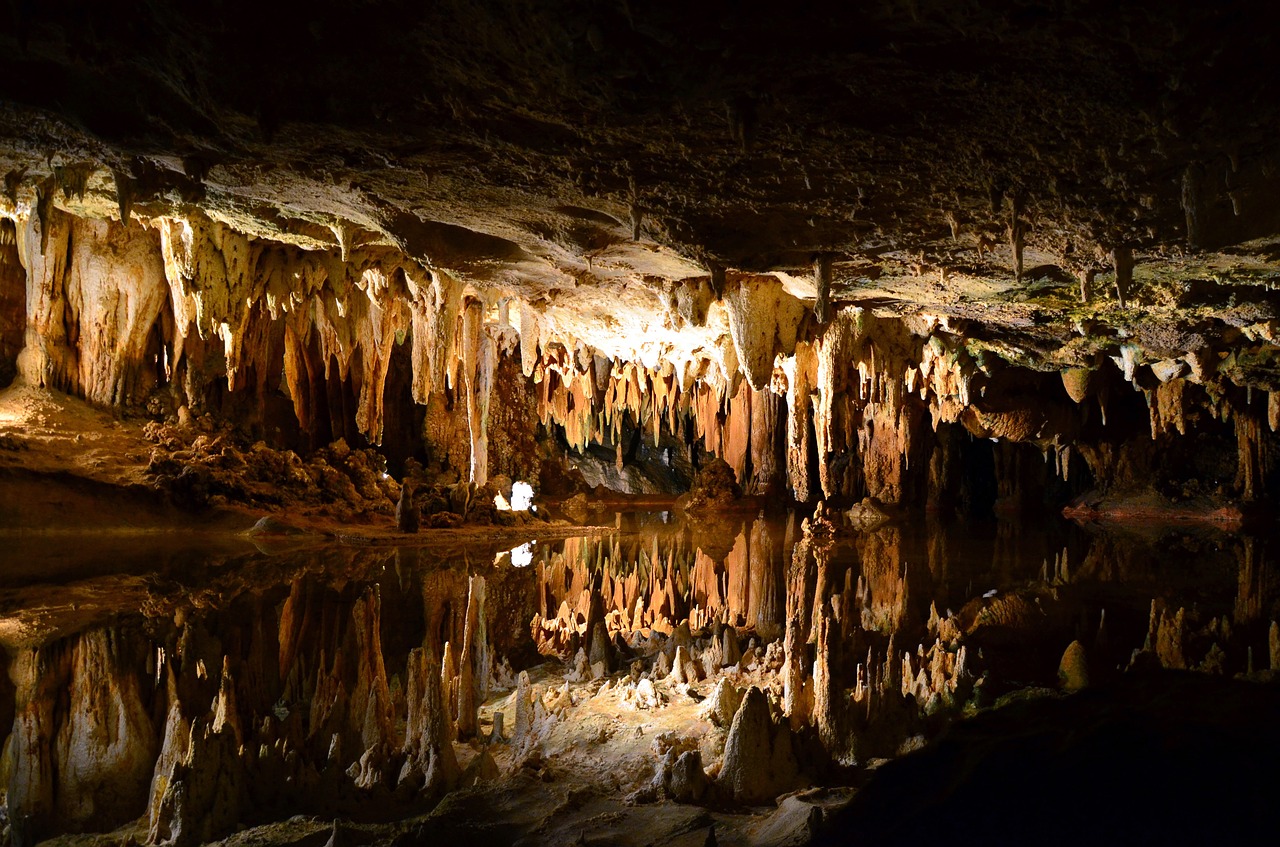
179, 299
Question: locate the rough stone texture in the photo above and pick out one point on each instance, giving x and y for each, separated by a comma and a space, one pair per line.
1073, 670
758, 761
713, 487
430, 760
686, 781
791, 248
659, 241
13, 303
205, 793
721, 706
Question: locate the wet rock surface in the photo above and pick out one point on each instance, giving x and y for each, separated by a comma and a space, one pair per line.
912, 279
381, 685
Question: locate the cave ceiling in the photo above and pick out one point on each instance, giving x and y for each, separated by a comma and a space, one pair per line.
975, 162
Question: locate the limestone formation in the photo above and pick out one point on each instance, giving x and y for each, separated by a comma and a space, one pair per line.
821, 316
684, 779
758, 759
1073, 670
523, 723
721, 706
205, 794
473, 664
1274, 643
428, 743
407, 517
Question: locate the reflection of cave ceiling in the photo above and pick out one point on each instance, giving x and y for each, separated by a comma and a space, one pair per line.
587, 156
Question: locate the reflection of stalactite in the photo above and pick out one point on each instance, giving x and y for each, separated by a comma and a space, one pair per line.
1252, 579
660, 585
83, 745
766, 555
801, 574
474, 662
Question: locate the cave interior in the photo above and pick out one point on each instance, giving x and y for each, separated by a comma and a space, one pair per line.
639, 423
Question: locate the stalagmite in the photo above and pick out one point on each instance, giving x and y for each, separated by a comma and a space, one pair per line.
523, 695
1073, 670
758, 762
1192, 204
1085, 276
722, 705
407, 516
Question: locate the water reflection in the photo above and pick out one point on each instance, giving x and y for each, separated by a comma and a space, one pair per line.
204, 688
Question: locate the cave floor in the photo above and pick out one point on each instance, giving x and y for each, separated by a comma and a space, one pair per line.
50, 432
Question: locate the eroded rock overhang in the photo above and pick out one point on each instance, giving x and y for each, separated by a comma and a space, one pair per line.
123, 296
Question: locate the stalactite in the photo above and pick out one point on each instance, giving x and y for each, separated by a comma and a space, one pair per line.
1085, 277
801, 372
1168, 408
827, 718
1192, 204
1017, 232
736, 444
762, 322
528, 339
1251, 454
48, 357
479, 359
436, 307
767, 411
800, 584
388, 317
1122, 260
210, 269
124, 193
822, 279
